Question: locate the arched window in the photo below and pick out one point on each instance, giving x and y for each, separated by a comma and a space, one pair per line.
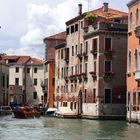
136, 60
130, 21
129, 62
137, 17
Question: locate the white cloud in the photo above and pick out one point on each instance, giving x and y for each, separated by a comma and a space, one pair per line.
30, 21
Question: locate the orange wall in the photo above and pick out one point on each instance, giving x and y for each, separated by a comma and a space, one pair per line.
50, 81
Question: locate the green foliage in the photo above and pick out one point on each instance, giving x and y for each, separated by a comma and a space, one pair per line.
90, 18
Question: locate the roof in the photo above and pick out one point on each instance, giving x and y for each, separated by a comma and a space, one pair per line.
59, 36
112, 13
132, 2
62, 45
20, 60
35, 61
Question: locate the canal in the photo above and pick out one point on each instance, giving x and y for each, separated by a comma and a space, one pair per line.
64, 129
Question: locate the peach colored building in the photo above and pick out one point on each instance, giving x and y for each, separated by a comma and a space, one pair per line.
133, 61
90, 76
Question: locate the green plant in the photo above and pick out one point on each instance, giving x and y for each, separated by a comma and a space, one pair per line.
90, 18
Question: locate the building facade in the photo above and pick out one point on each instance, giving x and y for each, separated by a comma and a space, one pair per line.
49, 66
4, 79
91, 67
25, 76
133, 60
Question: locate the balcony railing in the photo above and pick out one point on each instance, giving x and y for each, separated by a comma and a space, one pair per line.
108, 53
94, 52
73, 78
108, 75
137, 31
93, 74
137, 75
105, 26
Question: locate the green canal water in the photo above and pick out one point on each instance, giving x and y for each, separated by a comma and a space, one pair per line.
64, 129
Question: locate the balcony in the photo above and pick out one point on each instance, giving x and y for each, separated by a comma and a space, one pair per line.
79, 55
79, 77
137, 75
108, 76
112, 26
93, 74
73, 78
137, 31
66, 78
94, 52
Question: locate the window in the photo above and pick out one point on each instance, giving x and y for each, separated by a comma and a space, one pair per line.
35, 81
108, 44
46, 83
3, 81
129, 61
75, 70
94, 95
72, 70
53, 81
134, 98
71, 105
7, 81
74, 105
128, 98
86, 51
17, 69
16, 81
66, 88
76, 27
42, 98
136, 60
75, 87
62, 54
28, 70
65, 104
72, 51
35, 70
81, 49
58, 72
71, 87
86, 68
85, 100
137, 17
139, 98
72, 29
81, 24
34, 95
108, 95
94, 68
68, 31
94, 45
62, 71
81, 68
76, 49
23, 81
59, 54
108, 66
130, 22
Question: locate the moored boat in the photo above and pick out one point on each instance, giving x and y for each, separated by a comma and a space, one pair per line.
25, 112
50, 112
5, 110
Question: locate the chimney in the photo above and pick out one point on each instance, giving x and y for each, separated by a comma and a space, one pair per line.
105, 7
80, 9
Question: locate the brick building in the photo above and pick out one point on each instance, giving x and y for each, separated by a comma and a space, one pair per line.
48, 84
91, 66
133, 60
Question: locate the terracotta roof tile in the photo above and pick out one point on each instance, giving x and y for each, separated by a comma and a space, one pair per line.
61, 35
35, 61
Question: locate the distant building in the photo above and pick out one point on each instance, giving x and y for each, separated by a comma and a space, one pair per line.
25, 76
90, 68
4, 79
49, 65
133, 61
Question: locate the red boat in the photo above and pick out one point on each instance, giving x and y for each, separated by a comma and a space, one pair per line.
25, 112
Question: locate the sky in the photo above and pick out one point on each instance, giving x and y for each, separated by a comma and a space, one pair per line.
24, 23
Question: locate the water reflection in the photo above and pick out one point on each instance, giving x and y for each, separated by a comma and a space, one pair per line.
64, 129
